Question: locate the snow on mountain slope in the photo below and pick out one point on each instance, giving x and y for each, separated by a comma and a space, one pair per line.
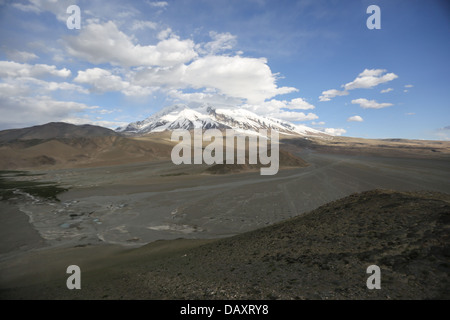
247, 120
171, 118
207, 117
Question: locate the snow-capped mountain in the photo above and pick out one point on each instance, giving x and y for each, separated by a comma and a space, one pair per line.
208, 117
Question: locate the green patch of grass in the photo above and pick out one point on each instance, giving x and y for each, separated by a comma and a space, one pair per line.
13, 172
8, 185
17, 173
26, 174
174, 174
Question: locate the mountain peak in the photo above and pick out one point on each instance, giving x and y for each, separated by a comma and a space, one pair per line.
207, 117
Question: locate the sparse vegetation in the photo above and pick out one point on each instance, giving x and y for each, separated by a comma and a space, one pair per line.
174, 174
314, 256
9, 186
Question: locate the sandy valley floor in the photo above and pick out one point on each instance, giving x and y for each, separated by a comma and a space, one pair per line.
110, 209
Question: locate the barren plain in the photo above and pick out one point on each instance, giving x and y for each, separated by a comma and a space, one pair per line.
129, 213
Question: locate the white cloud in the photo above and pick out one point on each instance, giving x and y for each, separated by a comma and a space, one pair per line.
387, 90
299, 104
103, 111
221, 42
320, 123
370, 104
53, 86
409, 86
20, 56
335, 131
171, 77
367, 79
166, 33
23, 94
13, 88
26, 86
237, 77
170, 64
292, 116
27, 7
444, 133
98, 122
141, 25
274, 109
58, 8
355, 119
329, 94
246, 78
370, 78
25, 98
103, 80
14, 69
200, 98
294, 104
173, 64
137, 91
105, 43
410, 113
36, 109
157, 4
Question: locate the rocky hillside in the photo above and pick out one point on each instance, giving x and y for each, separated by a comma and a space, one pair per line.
55, 130
323, 254
63, 145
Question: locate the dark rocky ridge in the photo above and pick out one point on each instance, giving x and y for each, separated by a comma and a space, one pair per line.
325, 253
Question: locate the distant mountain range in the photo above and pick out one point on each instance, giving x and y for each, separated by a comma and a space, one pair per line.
208, 117
64, 145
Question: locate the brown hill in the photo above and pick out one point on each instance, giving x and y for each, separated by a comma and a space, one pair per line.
55, 130
62, 145
404, 148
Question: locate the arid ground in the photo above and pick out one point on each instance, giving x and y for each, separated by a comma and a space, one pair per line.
154, 230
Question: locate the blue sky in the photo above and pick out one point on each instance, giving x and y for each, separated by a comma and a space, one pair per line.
310, 62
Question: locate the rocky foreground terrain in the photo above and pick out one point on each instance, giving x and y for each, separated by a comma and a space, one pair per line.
323, 254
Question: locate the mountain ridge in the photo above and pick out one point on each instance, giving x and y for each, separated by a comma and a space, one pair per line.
55, 130
208, 117
63, 145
